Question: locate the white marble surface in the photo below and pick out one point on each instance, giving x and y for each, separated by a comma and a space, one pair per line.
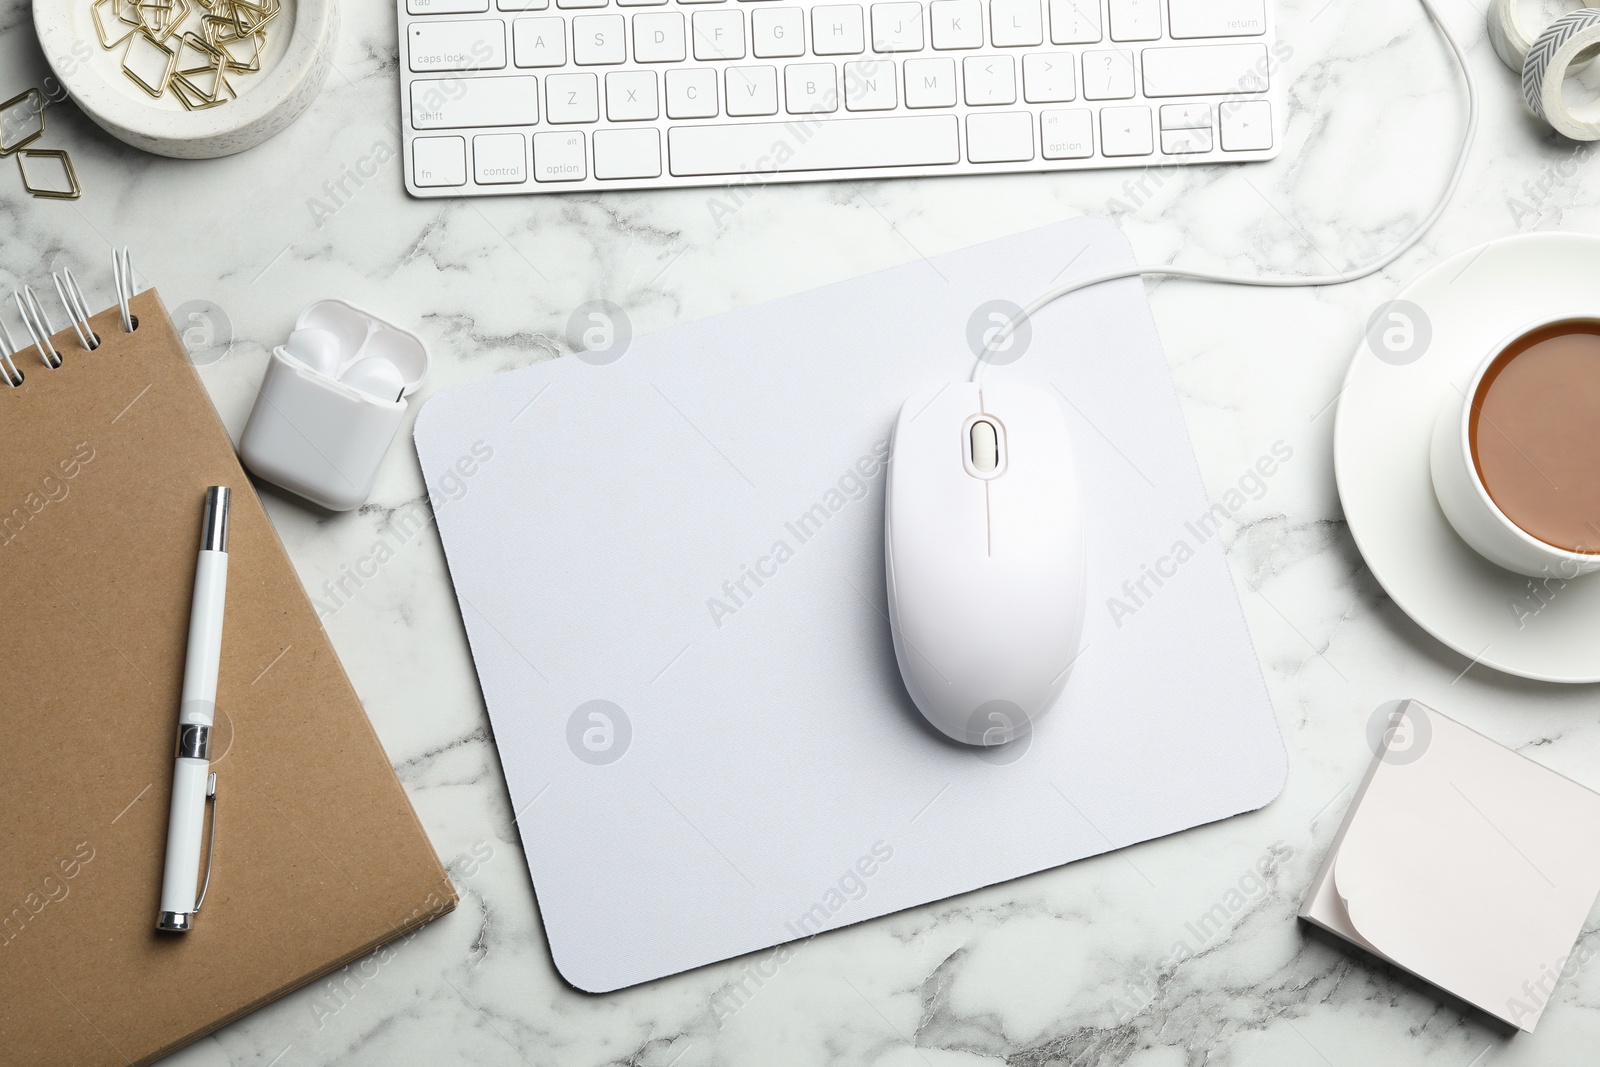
1061, 968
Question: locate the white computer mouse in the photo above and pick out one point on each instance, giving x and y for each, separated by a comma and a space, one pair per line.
983, 548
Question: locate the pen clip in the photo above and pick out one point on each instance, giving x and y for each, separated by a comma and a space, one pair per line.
211, 839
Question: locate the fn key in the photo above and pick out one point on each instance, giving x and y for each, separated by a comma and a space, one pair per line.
437, 161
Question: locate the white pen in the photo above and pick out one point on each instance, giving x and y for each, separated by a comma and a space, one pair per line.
192, 780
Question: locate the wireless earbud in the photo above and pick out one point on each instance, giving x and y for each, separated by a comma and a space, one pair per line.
375, 375
317, 349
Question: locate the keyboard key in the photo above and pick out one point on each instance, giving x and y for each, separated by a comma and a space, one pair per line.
580, 3
719, 34
1107, 75
691, 93
1000, 137
1205, 70
838, 144
1067, 134
632, 153
499, 159
1015, 22
1246, 126
478, 44
1135, 20
930, 82
810, 88
957, 23
1186, 141
631, 96
1125, 131
598, 40
560, 157
446, 7
437, 105
1074, 21
571, 98
991, 80
897, 27
752, 90
539, 42
640, 3
869, 85
701, 1
1216, 18
523, 5
438, 161
836, 30
1185, 116
658, 37
779, 32
1047, 77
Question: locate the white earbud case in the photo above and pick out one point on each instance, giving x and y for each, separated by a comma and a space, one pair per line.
324, 438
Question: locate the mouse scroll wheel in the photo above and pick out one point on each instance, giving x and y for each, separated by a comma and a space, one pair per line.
985, 446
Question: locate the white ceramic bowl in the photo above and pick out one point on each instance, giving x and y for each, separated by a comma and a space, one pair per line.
299, 54
1465, 501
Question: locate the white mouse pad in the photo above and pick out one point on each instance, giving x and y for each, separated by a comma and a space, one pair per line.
670, 566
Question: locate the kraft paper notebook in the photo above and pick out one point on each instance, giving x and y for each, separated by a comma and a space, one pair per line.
319, 855
670, 566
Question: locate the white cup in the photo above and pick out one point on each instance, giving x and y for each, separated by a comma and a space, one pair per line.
1465, 501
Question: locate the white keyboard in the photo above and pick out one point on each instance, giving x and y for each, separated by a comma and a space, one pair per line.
543, 96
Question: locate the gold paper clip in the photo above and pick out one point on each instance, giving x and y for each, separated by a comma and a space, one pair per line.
128, 57
208, 55
193, 98
163, 18
106, 40
254, 46
45, 192
8, 108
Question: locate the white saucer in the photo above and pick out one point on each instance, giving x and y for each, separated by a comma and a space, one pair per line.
1467, 304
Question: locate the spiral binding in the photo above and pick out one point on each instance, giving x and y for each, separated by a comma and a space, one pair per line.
41, 329
72, 299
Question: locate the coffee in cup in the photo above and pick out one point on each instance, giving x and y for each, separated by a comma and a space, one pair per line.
1534, 430
1516, 455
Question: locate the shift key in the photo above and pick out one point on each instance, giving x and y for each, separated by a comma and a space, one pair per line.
442, 103
1206, 70
476, 44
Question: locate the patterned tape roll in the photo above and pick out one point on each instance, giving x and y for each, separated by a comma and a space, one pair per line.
1547, 65
1510, 38
1509, 33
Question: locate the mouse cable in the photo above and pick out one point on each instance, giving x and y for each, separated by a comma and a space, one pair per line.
1304, 281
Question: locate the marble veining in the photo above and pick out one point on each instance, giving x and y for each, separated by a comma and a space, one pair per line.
1181, 951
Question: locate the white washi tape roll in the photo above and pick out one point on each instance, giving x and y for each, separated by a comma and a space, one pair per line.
1546, 68
1509, 31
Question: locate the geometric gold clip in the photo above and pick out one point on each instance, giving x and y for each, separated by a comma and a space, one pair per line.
50, 192
23, 113
119, 30
139, 61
